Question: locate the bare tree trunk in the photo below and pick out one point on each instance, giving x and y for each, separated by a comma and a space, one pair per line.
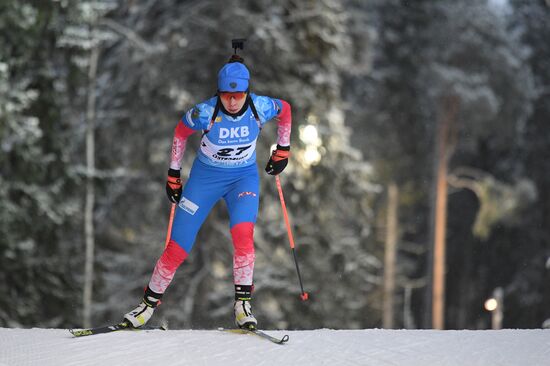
90, 158
90, 192
444, 145
392, 235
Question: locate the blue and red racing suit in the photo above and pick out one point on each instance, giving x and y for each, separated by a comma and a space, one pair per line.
225, 167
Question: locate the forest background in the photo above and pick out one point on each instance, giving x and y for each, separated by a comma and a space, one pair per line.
414, 123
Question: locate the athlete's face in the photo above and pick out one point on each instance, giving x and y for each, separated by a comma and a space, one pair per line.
233, 101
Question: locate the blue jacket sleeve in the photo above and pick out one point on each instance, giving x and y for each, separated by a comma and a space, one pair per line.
267, 107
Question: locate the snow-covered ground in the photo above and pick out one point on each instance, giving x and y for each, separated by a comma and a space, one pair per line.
57, 347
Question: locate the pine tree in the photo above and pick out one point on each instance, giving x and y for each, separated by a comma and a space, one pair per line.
36, 183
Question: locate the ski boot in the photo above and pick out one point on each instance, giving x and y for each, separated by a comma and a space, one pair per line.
243, 312
141, 315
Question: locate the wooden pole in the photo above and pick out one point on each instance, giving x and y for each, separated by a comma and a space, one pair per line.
443, 141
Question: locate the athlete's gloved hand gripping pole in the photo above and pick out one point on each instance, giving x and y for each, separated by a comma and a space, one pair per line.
278, 160
173, 185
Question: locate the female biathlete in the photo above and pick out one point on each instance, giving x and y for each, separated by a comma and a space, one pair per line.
225, 167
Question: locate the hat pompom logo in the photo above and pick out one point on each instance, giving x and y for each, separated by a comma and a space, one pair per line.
233, 84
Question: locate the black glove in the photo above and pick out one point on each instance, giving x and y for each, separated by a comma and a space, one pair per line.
278, 160
173, 185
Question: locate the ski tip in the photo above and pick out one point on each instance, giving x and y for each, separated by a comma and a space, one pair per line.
80, 332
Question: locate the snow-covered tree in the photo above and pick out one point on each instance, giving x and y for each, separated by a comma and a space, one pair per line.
37, 205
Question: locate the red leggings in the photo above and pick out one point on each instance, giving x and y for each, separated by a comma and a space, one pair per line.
243, 259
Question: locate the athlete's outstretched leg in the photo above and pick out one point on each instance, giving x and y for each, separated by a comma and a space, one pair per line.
198, 197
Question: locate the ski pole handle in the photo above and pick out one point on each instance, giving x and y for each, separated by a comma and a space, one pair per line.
170, 222
304, 295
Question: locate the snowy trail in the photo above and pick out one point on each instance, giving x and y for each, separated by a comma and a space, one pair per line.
57, 347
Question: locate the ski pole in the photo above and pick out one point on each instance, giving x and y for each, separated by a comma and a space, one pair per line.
304, 295
170, 222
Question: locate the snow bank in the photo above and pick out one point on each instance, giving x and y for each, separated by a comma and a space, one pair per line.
57, 347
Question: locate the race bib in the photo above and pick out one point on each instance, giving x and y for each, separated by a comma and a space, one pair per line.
228, 154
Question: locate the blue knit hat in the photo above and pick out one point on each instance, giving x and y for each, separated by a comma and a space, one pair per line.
233, 77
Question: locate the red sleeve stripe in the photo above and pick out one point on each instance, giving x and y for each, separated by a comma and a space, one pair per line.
284, 124
179, 143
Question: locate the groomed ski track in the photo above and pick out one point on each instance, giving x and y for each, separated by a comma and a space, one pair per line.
57, 347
